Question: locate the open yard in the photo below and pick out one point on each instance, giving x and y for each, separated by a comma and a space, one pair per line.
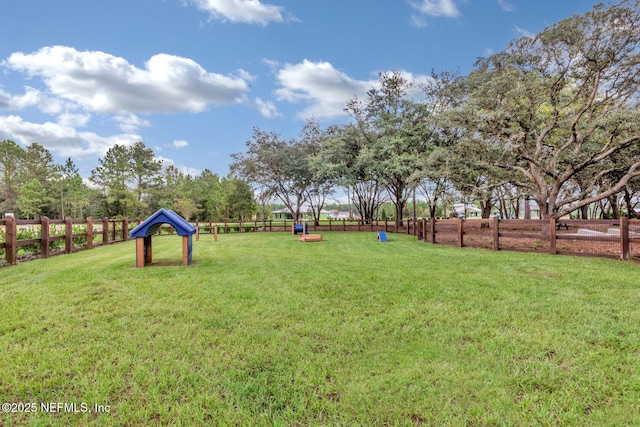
263, 330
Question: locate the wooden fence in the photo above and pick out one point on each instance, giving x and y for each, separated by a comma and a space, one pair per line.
618, 238
61, 236
602, 238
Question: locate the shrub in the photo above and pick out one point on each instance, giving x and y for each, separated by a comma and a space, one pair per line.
28, 234
57, 244
79, 229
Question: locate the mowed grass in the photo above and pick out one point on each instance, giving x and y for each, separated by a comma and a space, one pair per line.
265, 331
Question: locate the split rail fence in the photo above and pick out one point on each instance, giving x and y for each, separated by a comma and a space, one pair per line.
618, 238
47, 237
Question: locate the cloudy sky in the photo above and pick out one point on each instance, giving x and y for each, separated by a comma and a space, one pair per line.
191, 78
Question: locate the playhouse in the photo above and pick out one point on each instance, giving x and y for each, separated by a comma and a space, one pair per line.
145, 230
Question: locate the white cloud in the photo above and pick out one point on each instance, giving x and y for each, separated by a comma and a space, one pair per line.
73, 120
523, 32
130, 123
267, 109
184, 169
417, 21
180, 143
62, 137
193, 172
245, 75
327, 90
507, 7
31, 98
243, 11
446, 8
100, 82
319, 84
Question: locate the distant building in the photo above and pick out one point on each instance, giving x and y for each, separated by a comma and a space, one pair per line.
467, 209
336, 214
534, 210
305, 213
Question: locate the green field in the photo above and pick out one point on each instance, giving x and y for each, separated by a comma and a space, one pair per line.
263, 330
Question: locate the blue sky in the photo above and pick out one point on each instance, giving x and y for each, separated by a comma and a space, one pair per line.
191, 78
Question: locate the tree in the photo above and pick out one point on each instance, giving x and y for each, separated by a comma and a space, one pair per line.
32, 199
349, 160
11, 157
206, 191
145, 174
37, 164
320, 180
186, 207
277, 165
171, 188
394, 126
74, 194
561, 104
238, 199
111, 176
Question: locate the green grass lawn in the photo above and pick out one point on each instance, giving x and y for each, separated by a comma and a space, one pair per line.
263, 330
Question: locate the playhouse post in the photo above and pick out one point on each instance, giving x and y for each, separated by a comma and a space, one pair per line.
185, 251
140, 255
148, 252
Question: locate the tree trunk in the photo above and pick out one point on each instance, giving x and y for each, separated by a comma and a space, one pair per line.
631, 213
584, 212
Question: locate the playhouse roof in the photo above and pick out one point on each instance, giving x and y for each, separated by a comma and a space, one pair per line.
163, 216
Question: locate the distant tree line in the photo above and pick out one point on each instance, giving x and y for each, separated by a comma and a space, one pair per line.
129, 182
553, 118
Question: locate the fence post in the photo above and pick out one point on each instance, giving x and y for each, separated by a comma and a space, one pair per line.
624, 238
105, 231
460, 232
89, 232
68, 235
433, 230
553, 250
496, 233
197, 231
11, 244
125, 229
44, 237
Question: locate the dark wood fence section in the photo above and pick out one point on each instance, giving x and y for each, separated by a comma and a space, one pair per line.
49, 237
618, 238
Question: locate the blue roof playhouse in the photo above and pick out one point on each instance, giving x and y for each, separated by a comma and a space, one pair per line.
145, 230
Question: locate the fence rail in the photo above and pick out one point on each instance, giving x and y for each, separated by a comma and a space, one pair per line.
618, 238
601, 238
48, 237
